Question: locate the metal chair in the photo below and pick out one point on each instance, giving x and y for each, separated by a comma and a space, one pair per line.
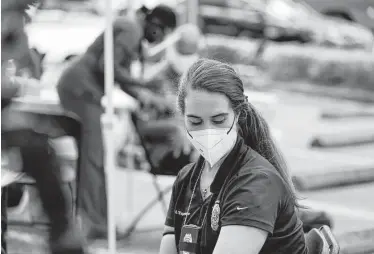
62, 125
321, 241
155, 171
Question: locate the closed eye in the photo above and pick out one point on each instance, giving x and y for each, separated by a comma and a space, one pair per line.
195, 121
219, 119
219, 122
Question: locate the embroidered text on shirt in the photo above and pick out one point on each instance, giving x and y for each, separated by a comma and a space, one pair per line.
181, 213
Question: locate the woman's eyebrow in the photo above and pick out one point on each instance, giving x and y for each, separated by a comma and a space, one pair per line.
193, 116
221, 114
217, 115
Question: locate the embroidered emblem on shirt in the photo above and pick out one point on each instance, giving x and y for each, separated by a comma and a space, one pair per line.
215, 216
187, 239
241, 208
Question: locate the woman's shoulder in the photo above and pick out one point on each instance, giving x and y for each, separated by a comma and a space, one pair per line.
185, 172
258, 169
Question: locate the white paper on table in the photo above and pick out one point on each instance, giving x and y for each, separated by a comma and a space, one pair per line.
50, 95
10, 159
9, 177
121, 100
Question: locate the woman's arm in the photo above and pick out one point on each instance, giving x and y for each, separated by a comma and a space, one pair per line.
123, 45
249, 211
122, 75
168, 242
240, 240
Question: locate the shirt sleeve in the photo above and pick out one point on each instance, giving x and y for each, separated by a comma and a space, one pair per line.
170, 215
253, 199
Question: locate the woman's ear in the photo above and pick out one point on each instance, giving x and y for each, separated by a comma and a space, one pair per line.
238, 121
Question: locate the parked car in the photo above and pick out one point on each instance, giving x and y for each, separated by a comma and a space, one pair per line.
245, 18
336, 32
360, 11
284, 20
324, 30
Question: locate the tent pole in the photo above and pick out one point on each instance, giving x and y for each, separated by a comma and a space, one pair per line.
193, 12
108, 126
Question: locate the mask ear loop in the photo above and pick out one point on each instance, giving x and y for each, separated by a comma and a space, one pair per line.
231, 126
188, 132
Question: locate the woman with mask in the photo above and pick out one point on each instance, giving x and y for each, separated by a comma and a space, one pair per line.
238, 196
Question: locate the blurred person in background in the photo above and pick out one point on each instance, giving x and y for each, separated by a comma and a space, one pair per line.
21, 130
183, 54
81, 88
239, 188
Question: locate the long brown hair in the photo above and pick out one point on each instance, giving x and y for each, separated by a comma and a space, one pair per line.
214, 76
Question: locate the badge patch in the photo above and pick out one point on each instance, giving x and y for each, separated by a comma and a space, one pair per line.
214, 221
188, 239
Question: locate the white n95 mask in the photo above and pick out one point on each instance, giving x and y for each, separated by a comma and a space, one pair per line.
213, 144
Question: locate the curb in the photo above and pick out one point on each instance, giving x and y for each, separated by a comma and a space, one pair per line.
359, 242
345, 115
343, 139
341, 93
334, 178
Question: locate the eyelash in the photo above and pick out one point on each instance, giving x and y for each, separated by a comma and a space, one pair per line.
219, 122
216, 122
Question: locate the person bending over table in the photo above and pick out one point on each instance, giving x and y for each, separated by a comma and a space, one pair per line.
20, 131
81, 88
238, 196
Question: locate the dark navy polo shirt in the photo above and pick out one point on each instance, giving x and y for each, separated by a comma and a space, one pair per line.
247, 190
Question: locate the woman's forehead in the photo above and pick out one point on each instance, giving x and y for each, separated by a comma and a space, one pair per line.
202, 103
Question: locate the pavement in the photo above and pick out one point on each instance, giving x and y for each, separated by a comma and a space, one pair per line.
350, 208
295, 120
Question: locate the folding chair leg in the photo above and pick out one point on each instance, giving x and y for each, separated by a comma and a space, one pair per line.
73, 208
160, 195
144, 211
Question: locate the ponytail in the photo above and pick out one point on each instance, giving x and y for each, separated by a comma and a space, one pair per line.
256, 134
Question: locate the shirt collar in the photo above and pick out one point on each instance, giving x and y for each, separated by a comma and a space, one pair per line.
229, 166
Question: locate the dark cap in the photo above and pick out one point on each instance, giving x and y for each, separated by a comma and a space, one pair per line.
165, 14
